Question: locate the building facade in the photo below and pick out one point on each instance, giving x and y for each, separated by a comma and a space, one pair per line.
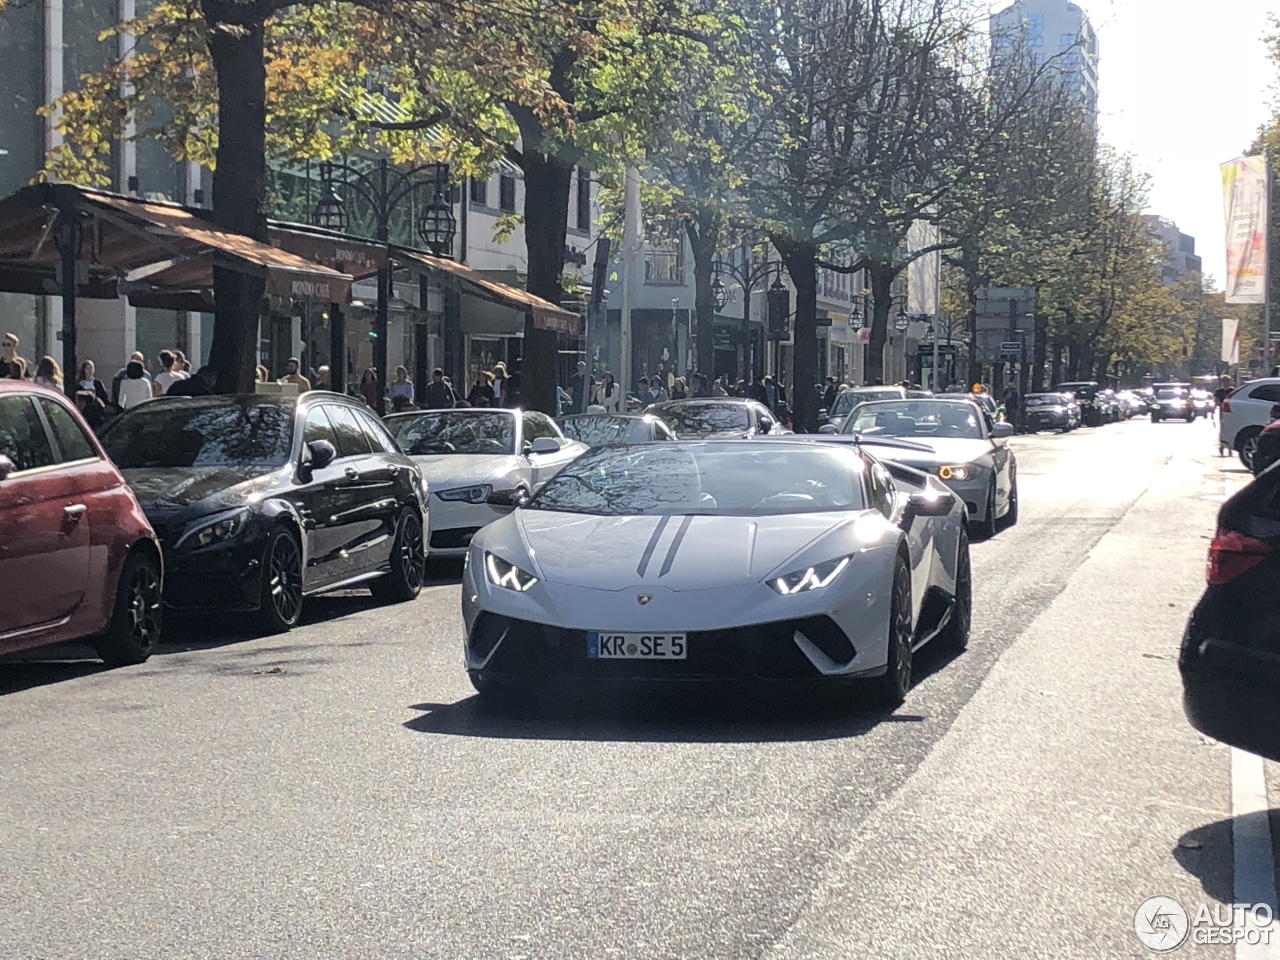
1180, 249
48, 44
1055, 34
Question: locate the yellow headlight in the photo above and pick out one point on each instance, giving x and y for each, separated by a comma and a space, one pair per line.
955, 472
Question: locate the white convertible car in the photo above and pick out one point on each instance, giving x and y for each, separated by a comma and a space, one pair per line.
788, 560
479, 464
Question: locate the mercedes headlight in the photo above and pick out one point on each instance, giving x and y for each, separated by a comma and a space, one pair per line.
210, 530
810, 578
957, 471
507, 575
476, 494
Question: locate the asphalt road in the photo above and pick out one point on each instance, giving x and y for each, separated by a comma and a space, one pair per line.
338, 793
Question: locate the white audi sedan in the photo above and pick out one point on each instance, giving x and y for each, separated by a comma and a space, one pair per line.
479, 464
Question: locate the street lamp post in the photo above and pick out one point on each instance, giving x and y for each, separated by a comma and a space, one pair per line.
384, 189
750, 273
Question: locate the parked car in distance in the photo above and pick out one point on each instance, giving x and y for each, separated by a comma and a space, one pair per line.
1245, 411
717, 417
599, 429
479, 464
846, 400
1093, 409
78, 559
1049, 411
1230, 658
262, 500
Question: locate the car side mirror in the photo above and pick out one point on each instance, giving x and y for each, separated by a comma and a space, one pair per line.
6, 467
930, 503
321, 454
508, 498
545, 445
1002, 431
828, 428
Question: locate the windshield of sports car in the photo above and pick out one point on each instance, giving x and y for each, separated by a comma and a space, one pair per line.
1044, 400
694, 420
239, 432
1171, 393
595, 431
450, 431
680, 479
851, 398
938, 419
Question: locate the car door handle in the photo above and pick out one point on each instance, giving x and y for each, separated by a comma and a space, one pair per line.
74, 512
351, 473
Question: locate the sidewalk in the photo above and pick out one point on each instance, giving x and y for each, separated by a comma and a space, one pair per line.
1070, 789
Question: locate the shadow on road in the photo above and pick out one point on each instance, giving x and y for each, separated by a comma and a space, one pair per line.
17, 675
725, 713
1206, 854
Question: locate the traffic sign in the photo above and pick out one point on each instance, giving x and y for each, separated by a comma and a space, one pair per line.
1011, 346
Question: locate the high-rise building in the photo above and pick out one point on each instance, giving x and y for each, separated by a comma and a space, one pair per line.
1053, 34
1180, 249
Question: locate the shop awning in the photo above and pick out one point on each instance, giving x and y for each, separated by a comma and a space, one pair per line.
546, 315
148, 251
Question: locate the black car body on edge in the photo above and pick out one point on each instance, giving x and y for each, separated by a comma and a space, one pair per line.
1093, 408
1048, 411
261, 500
1230, 658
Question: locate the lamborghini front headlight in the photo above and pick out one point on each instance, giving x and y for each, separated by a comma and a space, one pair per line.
810, 578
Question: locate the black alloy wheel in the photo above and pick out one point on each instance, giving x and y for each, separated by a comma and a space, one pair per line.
986, 528
134, 631
280, 607
955, 635
408, 572
1247, 446
891, 688
1010, 519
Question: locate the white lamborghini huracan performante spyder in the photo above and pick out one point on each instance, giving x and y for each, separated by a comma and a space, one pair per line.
791, 560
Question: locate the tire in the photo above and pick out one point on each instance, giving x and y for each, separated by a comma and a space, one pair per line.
137, 619
408, 563
986, 529
1155, 418
955, 635
891, 688
280, 601
1247, 445
1010, 519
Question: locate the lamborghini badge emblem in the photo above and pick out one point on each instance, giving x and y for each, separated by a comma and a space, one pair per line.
643, 598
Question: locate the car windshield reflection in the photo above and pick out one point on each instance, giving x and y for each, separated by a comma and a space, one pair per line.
851, 398
666, 479
1044, 400
450, 432
694, 420
596, 431
236, 432
936, 419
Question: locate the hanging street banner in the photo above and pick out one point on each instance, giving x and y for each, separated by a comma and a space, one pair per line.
1231, 342
923, 272
1244, 196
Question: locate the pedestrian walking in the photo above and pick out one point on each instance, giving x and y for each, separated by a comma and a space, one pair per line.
403, 386
609, 395
135, 388
86, 380
679, 390
481, 394
1011, 406
369, 387
12, 366
500, 384
580, 389
48, 373
135, 357
292, 374
438, 396
169, 374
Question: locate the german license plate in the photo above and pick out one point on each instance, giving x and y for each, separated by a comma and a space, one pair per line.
636, 646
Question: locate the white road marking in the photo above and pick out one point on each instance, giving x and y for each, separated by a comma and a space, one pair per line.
1255, 868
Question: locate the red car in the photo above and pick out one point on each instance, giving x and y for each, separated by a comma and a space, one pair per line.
78, 559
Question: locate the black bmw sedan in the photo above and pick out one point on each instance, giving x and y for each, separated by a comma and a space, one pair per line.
260, 501
1230, 657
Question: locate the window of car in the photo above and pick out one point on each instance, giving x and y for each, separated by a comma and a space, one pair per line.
317, 427
700, 419
351, 439
70, 437
249, 431
539, 425
376, 433
22, 436
1268, 392
445, 432
942, 419
765, 419
662, 431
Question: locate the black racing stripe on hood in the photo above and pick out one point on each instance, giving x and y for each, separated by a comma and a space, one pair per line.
675, 547
652, 545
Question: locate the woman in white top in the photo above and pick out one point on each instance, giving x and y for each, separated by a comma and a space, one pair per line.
48, 373
609, 395
499, 384
134, 388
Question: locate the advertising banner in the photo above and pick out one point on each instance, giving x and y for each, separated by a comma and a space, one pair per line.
1245, 202
1231, 341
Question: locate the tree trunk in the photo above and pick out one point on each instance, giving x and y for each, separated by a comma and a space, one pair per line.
801, 260
546, 224
703, 235
972, 283
239, 182
1040, 354
882, 276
